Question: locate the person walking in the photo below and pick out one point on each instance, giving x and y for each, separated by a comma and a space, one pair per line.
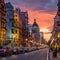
50, 54
55, 52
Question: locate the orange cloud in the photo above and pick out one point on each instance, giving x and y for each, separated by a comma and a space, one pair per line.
43, 18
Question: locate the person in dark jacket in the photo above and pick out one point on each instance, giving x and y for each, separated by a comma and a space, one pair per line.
55, 52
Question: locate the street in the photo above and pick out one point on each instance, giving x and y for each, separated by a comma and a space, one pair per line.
35, 55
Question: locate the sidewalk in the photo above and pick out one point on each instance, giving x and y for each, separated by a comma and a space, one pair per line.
54, 58
57, 58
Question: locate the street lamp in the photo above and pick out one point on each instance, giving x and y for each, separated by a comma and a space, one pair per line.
26, 42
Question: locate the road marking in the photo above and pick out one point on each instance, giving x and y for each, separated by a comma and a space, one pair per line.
47, 55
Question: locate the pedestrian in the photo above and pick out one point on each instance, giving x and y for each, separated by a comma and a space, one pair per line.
50, 55
55, 52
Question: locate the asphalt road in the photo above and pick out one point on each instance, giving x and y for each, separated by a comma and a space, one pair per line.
35, 55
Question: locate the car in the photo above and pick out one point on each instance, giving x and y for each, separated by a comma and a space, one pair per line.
33, 48
15, 50
1, 51
8, 51
21, 49
5, 51
26, 49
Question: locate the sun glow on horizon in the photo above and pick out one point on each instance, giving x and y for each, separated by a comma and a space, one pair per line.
44, 30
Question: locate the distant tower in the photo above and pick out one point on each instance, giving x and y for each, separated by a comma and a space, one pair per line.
35, 20
35, 27
35, 31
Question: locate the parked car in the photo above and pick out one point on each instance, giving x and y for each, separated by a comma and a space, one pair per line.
33, 48
15, 50
21, 49
26, 49
5, 51
1, 51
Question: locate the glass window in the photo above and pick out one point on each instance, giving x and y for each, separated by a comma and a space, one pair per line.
58, 23
12, 31
16, 31
58, 34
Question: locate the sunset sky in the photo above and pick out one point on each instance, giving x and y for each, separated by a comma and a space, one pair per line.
43, 10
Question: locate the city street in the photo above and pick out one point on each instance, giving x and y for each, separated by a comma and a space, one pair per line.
29, 30
35, 55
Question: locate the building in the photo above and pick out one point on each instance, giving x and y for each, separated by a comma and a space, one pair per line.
35, 31
10, 21
30, 32
42, 40
30, 28
17, 27
3, 22
24, 19
41, 37
56, 27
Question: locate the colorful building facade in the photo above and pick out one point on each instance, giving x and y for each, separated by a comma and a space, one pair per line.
18, 28
10, 22
24, 19
56, 28
3, 22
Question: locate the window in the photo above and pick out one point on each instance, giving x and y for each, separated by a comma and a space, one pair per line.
58, 23
12, 25
16, 19
26, 19
12, 31
16, 15
16, 31
58, 34
26, 15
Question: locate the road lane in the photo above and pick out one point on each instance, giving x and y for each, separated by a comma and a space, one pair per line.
35, 55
